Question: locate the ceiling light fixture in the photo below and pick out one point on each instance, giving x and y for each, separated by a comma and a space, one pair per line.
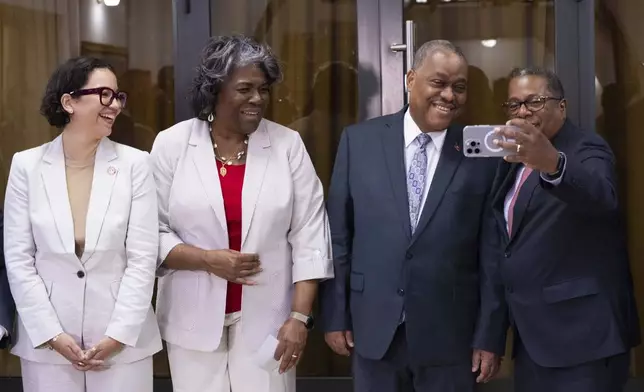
488, 43
109, 3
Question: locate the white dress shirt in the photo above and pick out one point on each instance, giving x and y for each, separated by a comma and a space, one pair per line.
433, 149
3, 332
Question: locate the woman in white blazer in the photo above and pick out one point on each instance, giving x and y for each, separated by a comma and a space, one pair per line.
81, 243
244, 236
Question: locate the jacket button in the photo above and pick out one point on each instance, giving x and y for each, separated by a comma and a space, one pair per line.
408, 256
401, 292
80, 274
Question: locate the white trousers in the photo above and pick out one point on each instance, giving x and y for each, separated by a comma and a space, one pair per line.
44, 377
228, 369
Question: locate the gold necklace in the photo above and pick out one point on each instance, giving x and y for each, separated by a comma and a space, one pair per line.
228, 161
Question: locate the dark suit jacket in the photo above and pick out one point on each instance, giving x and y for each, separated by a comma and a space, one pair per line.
381, 268
7, 307
565, 267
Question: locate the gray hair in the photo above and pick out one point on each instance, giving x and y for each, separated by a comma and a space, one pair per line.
552, 80
431, 47
221, 56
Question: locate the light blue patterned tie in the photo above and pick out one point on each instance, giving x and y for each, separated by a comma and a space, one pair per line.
416, 179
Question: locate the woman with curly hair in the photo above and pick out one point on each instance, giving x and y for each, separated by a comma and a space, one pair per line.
244, 236
81, 243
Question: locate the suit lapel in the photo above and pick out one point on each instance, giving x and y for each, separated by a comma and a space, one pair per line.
55, 180
106, 171
508, 173
504, 180
203, 157
393, 144
256, 162
523, 200
449, 160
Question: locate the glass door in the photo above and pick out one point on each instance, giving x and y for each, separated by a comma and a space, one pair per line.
495, 36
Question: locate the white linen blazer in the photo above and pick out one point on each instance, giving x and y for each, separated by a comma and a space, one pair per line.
107, 291
283, 220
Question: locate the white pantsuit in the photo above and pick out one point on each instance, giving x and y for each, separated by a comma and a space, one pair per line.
38, 377
283, 220
105, 292
227, 368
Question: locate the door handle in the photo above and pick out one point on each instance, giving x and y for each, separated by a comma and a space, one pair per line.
408, 47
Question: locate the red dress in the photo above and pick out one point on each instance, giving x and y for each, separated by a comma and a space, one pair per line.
231, 190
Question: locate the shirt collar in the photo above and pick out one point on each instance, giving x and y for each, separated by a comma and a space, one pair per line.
412, 131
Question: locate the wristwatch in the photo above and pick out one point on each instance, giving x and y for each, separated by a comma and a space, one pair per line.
307, 320
560, 166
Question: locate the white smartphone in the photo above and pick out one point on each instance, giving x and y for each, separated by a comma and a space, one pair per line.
478, 142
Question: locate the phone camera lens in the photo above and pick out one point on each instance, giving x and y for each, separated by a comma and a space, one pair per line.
473, 144
469, 150
476, 151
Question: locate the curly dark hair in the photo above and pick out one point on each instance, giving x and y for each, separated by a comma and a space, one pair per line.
70, 76
221, 56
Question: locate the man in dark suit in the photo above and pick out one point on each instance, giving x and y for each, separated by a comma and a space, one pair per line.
7, 307
565, 267
407, 212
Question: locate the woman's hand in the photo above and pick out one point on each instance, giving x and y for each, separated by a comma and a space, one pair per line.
102, 351
66, 346
233, 266
292, 340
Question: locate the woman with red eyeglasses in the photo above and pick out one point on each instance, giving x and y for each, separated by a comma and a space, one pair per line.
81, 240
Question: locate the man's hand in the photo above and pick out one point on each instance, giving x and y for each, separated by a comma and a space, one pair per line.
488, 363
341, 342
532, 146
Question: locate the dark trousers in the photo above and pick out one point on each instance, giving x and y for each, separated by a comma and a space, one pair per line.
604, 375
393, 373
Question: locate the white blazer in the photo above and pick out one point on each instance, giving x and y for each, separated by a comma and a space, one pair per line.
109, 290
283, 220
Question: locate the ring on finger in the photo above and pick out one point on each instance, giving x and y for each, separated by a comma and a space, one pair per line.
294, 355
518, 148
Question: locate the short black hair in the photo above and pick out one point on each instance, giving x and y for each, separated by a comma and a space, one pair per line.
219, 58
438, 45
68, 77
552, 80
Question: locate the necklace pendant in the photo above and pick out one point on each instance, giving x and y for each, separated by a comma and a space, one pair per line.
223, 171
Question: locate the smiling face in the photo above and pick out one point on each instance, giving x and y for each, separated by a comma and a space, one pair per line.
242, 99
438, 89
532, 88
87, 112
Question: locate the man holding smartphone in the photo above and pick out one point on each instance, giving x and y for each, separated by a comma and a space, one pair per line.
7, 307
412, 300
565, 267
